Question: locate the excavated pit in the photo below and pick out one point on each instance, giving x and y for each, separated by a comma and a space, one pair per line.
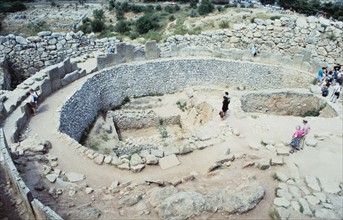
287, 103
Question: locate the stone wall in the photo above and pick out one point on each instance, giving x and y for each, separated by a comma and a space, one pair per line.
286, 103
5, 78
109, 87
304, 43
29, 55
34, 208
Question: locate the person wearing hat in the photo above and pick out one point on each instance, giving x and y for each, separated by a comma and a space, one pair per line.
306, 129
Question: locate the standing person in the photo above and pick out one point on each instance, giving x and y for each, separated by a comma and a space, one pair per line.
325, 91
31, 102
320, 75
295, 144
336, 91
254, 51
225, 106
306, 129
34, 97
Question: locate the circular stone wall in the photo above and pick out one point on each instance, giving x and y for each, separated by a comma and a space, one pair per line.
287, 103
110, 87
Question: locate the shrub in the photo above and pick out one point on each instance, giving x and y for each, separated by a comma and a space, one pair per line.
86, 20
122, 27
220, 8
37, 27
205, 7
136, 8
252, 20
193, 4
171, 18
86, 28
11, 7
170, 9
177, 8
99, 14
153, 35
195, 31
97, 25
120, 14
125, 7
158, 8
193, 13
133, 35
111, 5
224, 24
148, 9
106, 34
146, 23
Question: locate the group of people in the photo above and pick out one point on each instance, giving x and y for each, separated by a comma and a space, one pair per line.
327, 78
32, 101
299, 137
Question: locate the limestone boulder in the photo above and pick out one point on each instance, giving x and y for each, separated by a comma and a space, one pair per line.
135, 160
157, 195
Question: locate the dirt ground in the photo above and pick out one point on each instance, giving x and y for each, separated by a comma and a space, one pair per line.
253, 128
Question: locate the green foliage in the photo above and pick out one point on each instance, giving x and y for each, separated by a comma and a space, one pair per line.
97, 25
170, 9
120, 14
193, 4
171, 18
133, 35
158, 8
111, 5
122, 27
313, 7
99, 14
275, 17
195, 31
86, 20
220, 8
153, 35
86, 28
205, 7
273, 213
263, 143
36, 27
146, 23
125, 7
11, 7
182, 105
224, 24
193, 13
252, 20
332, 37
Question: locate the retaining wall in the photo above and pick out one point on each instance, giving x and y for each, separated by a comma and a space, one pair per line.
109, 87
35, 209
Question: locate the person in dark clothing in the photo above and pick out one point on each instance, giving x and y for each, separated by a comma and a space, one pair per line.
225, 106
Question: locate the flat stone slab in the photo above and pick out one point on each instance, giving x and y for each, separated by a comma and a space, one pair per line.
283, 202
52, 177
75, 177
312, 183
329, 186
282, 151
169, 162
276, 161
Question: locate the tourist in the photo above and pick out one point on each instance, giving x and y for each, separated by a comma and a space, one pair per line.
321, 75
295, 143
306, 129
31, 101
225, 107
35, 97
325, 91
336, 91
254, 51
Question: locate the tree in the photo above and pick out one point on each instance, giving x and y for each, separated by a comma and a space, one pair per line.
99, 14
205, 7
97, 25
146, 23
122, 27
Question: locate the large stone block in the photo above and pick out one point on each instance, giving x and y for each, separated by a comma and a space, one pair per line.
139, 55
45, 89
129, 53
151, 50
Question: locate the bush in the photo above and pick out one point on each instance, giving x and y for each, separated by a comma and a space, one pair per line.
220, 8
146, 23
120, 14
122, 27
111, 5
193, 13
99, 14
125, 7
193, 4
158, 8
171, 18
97, 25
86, 28
170, 9
252, 20
86, 20
37, 27
148, 9
133, 35
205, 7
11, 7
153, 35
224, 24
136, 8
177, 8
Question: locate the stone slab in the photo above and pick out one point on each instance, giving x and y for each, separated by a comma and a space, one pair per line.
75, 177
169, 162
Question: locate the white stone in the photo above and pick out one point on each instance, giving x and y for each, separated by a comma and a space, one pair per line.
281, 176
168, 162
75, 177
281, 202
99, 159
312, 200
52, 177
311, 142
312, 183
137, 168
301, 22
305, 207
107, 159
89, 190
